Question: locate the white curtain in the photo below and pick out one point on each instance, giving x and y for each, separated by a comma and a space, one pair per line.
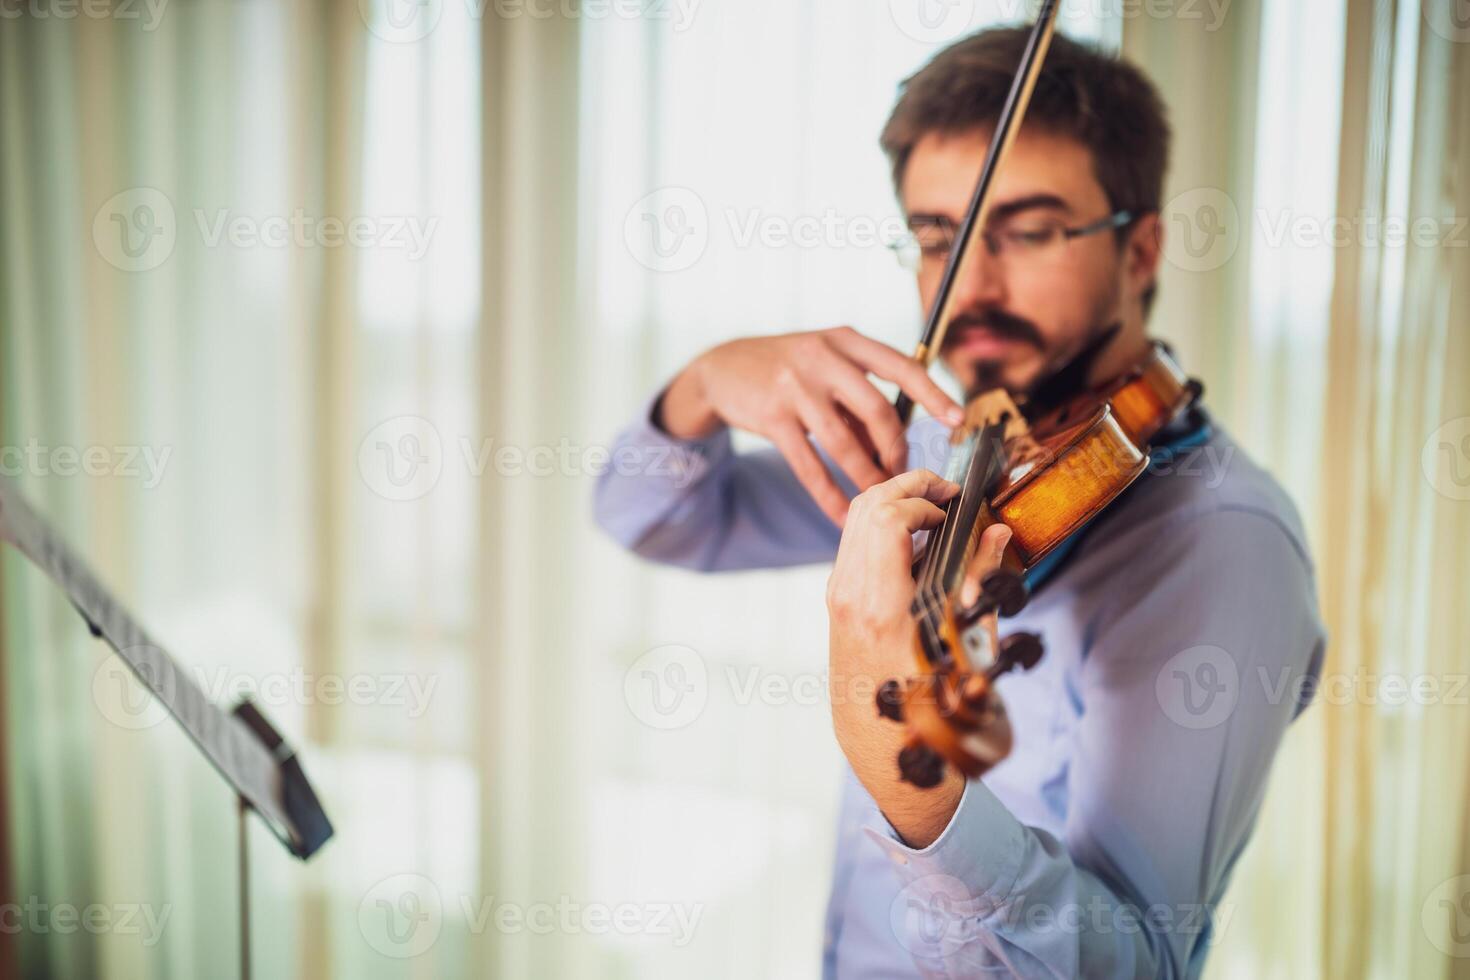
1322, 297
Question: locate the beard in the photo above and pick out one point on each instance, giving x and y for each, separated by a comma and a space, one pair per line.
1038, 367
987, 372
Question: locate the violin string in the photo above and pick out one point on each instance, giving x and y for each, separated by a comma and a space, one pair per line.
932, 587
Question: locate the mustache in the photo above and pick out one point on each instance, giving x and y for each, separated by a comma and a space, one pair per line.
1000, 323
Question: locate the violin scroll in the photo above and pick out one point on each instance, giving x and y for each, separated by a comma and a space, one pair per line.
954, 715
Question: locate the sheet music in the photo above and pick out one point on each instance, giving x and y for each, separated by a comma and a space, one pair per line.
235, 751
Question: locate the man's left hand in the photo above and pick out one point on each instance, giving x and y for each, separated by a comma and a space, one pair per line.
872, 636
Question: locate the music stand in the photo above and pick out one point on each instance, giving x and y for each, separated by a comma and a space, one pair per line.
244, 748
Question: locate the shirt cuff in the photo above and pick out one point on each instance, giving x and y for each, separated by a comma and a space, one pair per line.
972, 866
651, 454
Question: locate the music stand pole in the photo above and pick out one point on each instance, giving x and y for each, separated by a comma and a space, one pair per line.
242, 808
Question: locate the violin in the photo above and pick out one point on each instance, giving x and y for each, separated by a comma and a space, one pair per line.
1044, 479
1045, 475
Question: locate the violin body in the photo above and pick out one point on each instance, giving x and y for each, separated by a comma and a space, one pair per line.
1081, 469
1091, 449
1045, 481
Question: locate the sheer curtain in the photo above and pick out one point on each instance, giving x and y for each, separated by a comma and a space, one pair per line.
1323, 300
240, 246
130, 329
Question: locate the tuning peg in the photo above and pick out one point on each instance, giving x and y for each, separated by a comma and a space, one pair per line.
1002, 591
1006, 589
1019, 650
920, 765
890, 700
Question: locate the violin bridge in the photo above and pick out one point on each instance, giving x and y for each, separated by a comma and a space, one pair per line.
992, 407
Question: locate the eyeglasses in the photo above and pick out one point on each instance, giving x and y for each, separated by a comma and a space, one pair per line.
1030, 240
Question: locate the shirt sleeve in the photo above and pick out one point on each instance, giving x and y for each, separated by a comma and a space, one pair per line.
1186, 688
698, 504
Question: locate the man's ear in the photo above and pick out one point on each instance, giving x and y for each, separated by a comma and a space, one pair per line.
1141, 252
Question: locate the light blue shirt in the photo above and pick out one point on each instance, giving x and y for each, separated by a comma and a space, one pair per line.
1182, 636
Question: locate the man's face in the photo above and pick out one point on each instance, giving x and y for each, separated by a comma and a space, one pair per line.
1023, 313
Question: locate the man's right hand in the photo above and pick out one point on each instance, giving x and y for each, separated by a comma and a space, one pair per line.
789, 386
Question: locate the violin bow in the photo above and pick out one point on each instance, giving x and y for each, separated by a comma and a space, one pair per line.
1011, 114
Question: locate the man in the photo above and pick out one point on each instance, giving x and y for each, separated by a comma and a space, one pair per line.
1181, 626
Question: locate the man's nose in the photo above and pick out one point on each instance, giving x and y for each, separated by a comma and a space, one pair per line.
980, 280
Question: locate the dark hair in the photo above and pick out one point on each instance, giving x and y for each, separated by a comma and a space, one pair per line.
1103, 102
